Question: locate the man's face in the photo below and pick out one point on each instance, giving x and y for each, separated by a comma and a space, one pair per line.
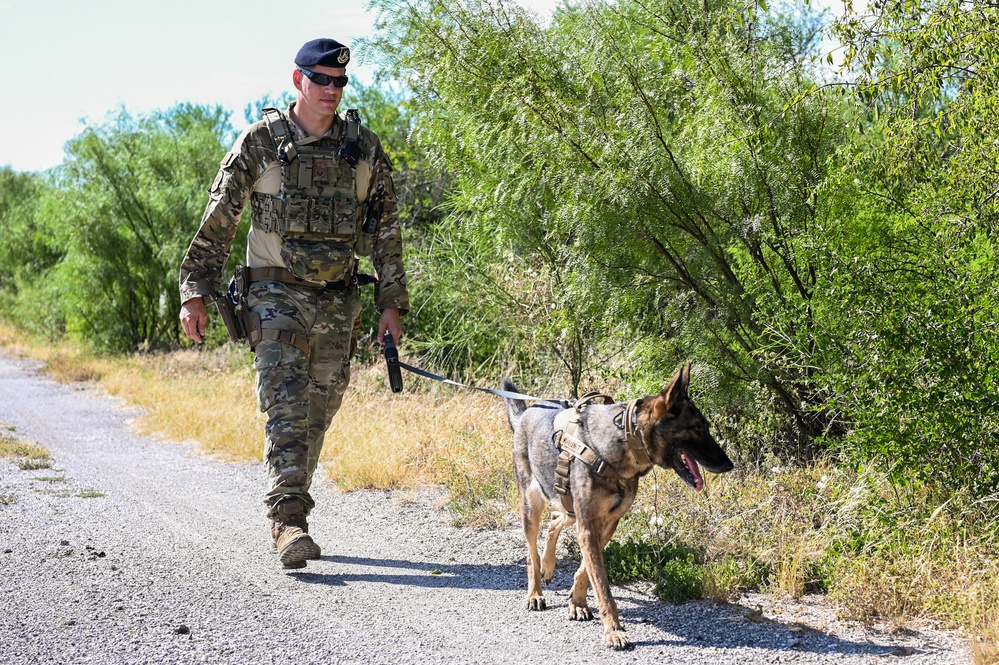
321, 99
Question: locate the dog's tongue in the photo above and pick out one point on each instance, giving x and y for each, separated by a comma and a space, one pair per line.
695, 471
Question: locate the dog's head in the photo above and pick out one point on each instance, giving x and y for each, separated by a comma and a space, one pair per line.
676, 433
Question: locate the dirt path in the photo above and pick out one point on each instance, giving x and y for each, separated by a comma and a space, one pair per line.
131, 550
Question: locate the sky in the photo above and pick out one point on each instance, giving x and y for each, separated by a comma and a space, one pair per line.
64, 62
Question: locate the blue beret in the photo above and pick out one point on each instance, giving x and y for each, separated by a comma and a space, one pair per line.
324, 52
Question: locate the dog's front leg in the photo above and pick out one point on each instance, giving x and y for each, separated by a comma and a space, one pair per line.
578, 611
593, 570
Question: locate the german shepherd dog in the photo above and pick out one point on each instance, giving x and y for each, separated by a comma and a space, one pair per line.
674, 434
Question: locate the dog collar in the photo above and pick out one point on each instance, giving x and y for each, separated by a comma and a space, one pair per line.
633, 435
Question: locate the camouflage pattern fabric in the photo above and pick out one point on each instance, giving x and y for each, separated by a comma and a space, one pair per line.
240, 175
299, 392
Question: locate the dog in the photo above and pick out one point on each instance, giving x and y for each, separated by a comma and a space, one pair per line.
629, 439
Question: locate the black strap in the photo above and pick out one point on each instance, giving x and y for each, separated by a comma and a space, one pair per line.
287, 277
491, 391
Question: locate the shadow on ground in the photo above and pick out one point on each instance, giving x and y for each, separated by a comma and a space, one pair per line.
698, 624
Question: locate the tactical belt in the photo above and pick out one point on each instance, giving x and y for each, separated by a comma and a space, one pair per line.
255, 333
571, 447
285, 276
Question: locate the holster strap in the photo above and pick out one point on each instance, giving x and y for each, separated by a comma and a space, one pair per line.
282, 336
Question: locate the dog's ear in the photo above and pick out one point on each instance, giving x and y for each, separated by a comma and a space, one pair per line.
659, 408
672, 394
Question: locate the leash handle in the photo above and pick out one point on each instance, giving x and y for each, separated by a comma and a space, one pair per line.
392, 361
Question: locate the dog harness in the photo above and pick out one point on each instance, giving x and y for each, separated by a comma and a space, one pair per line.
571, 447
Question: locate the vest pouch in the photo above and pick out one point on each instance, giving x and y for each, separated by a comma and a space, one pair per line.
345, 221
318, 261
321, 217
296, 216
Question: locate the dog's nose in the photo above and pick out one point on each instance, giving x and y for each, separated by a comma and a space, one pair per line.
721, 467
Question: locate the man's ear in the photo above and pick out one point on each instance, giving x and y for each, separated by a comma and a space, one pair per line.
296, 79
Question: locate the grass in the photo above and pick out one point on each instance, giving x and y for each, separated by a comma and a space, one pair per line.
881, 556
426, 436
7, 499
787, 531
27, 456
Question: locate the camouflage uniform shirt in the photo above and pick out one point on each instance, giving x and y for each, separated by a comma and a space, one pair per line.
252, 166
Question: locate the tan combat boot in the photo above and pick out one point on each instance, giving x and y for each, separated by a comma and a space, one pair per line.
290, 532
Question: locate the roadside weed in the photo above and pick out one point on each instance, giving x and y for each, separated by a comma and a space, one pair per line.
26, 456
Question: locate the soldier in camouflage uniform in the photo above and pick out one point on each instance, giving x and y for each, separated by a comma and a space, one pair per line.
321, 191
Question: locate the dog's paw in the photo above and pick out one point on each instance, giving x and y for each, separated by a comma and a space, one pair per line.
536, 603
579, 612
616, 640
547, 575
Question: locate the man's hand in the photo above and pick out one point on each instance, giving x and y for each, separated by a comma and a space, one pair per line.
194, 316
389, 320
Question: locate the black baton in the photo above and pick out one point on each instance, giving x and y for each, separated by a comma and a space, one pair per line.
392, 360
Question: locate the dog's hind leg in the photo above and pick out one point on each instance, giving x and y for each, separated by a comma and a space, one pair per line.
560, 520
532, 506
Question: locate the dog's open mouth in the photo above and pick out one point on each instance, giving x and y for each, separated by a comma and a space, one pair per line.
686, 467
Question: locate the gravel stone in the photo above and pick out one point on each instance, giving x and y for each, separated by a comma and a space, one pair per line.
172, 563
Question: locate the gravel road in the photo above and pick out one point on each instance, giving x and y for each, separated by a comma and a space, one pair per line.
133, 550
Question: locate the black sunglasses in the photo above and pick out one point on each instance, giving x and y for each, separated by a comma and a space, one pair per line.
325, 79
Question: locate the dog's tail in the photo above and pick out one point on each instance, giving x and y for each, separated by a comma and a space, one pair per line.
514, 407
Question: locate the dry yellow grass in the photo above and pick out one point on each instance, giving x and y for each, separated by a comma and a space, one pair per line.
428, 435
13, 448
27, 456
779, 525
985, 641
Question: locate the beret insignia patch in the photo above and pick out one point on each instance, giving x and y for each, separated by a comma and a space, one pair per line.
344, 56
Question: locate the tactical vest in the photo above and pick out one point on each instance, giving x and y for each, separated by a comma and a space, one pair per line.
316, 212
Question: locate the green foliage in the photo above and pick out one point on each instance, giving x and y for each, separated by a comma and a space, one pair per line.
657, 185
641, 183
96, 251
913, 336
27, 249
674, 570
253, 111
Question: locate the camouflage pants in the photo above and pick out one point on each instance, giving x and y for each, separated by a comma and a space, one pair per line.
299, 392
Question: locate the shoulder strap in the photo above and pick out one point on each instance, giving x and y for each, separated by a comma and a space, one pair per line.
353, 125
281, 135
